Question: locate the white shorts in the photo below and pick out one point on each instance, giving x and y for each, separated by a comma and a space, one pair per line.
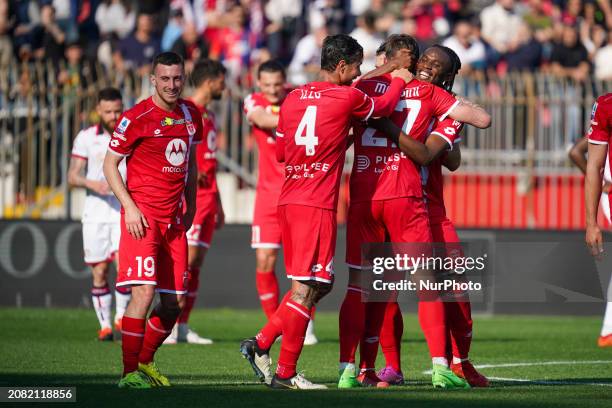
100, 241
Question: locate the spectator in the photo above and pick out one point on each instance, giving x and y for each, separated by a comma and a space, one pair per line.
328, 12
307, 57
27, 18
469, 49
79, 72
283, 28
138, 49
370, 40
525, 52
174, 28
115, 16
190, 46
6, 46
538, 16
233, 43
569, 57
603, 57
48, 41
66, 19
500, 23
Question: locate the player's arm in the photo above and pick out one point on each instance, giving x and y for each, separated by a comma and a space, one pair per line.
384, 105
592, 190
452, 159
422, 154
470, 113
135, 221
577, 154
77, 179
191, 189
262, 119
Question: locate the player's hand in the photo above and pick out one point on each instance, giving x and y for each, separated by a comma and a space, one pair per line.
202, 180
220, 218
594, 241
402, 59
135, 222
99, 186
188, 218
402, 73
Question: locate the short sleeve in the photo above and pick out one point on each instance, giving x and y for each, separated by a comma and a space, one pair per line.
124, 137
444, 103
599, 132
79, 146
449, 130
362, 105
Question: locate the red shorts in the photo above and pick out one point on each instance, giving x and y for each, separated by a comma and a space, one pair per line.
309, 240
398, 220
160, 258
266, 231
204, 222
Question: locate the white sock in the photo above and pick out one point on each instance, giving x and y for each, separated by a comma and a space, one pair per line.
102, 301
310, 328
440, 361
458, 360
607, 323
347, 366
121, 302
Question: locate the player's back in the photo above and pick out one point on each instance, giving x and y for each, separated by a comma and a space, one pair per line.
391, 173
314, 122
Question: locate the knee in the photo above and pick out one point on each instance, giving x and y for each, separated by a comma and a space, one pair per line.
143, 295
322, 291
265, 259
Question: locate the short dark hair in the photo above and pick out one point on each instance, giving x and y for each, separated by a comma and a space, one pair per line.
271, 66
206, 69
337, 48
109, 94
398, 42
168, 58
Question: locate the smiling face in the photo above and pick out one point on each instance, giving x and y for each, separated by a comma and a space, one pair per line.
348, 72
272, 85
434, 66
168, 81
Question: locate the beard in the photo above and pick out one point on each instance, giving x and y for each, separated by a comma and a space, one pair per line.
109, 126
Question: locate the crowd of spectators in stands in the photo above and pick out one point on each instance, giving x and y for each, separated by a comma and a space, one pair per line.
569, 38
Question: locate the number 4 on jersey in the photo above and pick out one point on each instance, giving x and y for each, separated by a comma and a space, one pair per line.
307, 124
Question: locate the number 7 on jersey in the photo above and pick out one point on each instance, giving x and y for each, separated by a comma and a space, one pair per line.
307, 125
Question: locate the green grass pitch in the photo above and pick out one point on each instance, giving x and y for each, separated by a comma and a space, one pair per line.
562, 366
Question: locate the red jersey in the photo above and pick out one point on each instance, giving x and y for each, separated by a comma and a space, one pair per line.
433, 181
380, 170
271, 173
157, 143
206, 153
314, 124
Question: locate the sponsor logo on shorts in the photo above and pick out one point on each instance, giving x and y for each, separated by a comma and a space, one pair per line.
363, 162
176, 152
123, 125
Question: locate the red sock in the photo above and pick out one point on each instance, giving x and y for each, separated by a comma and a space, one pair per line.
267, 289
270, 332
351, 323
132, 334
459, 317
391, 335
368, 348
192, 294
295, 320
433, 324
158, 329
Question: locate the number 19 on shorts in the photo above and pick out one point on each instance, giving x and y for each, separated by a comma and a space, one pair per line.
145, 267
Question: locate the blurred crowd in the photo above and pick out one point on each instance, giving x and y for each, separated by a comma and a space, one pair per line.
569, 38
